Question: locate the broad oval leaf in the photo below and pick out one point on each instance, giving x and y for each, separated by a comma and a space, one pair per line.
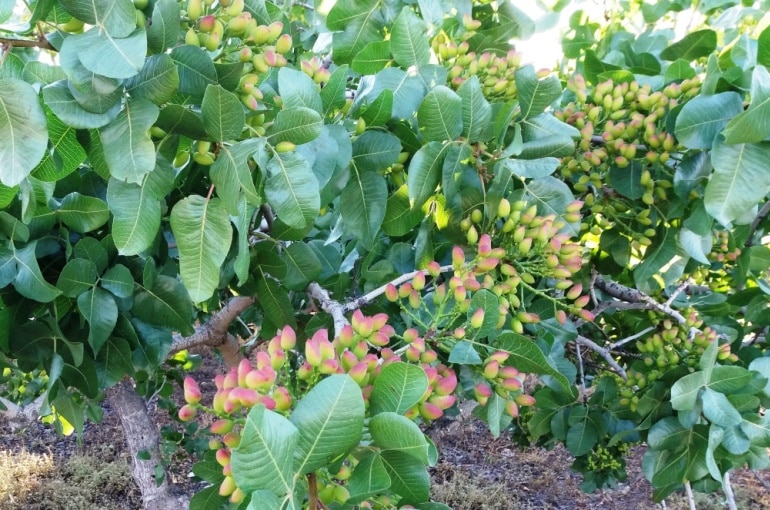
158, 80
106, 55
408, 41
526, 356
292, 189
330, 420
297, 125
703, 117
203, 236
298, 89
23, 130
222, 114
440, 115
116, 17
694, 45
398, 387
394, 432
130, 153
752, 125
164, 304
425, 171
135, 216
363, 204
263, 460
83, 213
98, 308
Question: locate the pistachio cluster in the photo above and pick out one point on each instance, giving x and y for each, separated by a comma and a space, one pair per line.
267, 380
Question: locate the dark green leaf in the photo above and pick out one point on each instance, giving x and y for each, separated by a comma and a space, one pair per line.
398, 387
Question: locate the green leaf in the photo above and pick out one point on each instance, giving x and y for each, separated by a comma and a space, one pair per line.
207, 499
582, 437
700, 43
363, 203
231, 174
106, 55
717, 409
658, 255
463, 353
222, 114
752, 125
60, 100
400, 217
375, 151
369, 477
275, 302
685, 391
408, 41
165, 304
176, 119
20, 266
440, 115
393, 432
82, 213
345, 11
696, 245
380, 110
131, 153
65, 406
302, 266
535, 95
163, 31
703, 117
203, 236
532, 168
739, 182
373, 58
116, 17
39, 72
291, 189
333, 93
64, 155
297, 125
118, 280
356, 35
76, 277
527, 357
98, 308
263, 460
330, 420
628, 181
409, 477
158, 80
398, 388
114, 362
135, 216
729, 379
298, 89
425, 171
195, 68
476, 111
22, 129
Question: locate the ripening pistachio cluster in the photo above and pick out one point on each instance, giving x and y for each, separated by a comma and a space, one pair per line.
506, 381
495, 72
610, 458
282, 374
530, 247
453, 299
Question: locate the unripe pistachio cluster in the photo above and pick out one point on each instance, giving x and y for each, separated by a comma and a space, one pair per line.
671, 345
496, 73
622, 125
265, 380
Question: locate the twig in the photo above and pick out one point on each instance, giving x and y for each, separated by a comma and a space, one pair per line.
680, 288
604, 353
761, 215
729, 495
214, 331
41, 43
630, 338
582, 372
690, 496
371, 296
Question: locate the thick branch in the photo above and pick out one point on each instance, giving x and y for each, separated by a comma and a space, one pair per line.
41, 43
330, 306
214, 331
604, 353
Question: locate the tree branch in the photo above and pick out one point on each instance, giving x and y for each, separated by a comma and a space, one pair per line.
371, 296
329, 305
604, 353
214, 331
41, 43
761, 215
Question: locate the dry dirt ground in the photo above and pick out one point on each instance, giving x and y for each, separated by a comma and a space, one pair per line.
40, 471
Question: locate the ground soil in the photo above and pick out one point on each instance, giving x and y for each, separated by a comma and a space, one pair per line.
41, 471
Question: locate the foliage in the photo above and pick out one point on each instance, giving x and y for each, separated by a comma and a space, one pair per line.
609, 224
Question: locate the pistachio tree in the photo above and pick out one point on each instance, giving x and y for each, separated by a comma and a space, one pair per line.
238, 173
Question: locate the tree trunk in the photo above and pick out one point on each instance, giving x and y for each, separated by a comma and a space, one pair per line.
142, 436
